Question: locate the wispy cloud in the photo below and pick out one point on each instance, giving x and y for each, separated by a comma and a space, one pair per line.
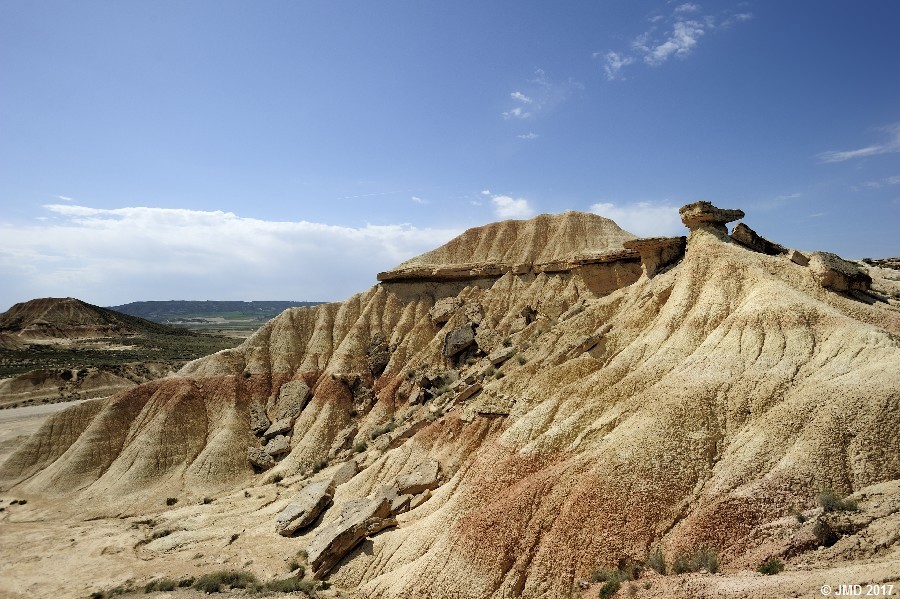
880, 183
890, 145
529, 135
112, 256
418, 200
508, 207
65, 198
645, 219
674, 35
538, 95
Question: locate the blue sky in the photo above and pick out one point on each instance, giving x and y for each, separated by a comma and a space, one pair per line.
291, 149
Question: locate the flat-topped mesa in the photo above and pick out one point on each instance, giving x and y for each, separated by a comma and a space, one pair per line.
705, 216
657, 252
545, 244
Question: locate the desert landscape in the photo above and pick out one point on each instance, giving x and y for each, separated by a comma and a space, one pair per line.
542, 408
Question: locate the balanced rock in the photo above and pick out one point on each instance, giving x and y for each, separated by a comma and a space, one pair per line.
657, 252
703, 215
424, 477
358, 519
260, 458
305, 507
835, 273
749, 238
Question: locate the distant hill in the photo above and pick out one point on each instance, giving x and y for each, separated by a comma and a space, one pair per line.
183, 312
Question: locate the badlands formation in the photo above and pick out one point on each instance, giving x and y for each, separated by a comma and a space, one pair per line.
499, 418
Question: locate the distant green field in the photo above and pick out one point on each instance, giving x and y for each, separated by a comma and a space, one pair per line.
228, 317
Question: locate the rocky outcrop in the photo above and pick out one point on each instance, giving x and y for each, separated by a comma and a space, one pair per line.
292, 398
260, 458
749, 238
834, 273
798, 258
458, 340
259, 421
378, 354
278, 445
359, 519
443, 309
424, 477
305, 507
705, 216
658, 252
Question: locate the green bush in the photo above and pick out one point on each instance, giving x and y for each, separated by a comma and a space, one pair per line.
321, 464
522, 361
609, 588
277, 478
702, 559
773, 565
207, 500
360, 446
656, 561
507, 342
171, 501
161, 533
830, 502
291, 585
216, 581
163, 584
384, 428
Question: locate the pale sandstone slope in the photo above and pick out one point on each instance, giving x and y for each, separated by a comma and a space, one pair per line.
681, 410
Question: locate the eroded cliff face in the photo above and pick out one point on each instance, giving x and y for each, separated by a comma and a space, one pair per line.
578, 416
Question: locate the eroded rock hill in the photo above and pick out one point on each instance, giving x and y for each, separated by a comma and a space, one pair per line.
682, 395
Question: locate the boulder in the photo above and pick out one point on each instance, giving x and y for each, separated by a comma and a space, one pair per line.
342, 440
703, 215
344, 472
749, 238
424, 477
378, 355
443, 309
260, 458
835, 273
657, 252
798, 258
278, 445
501, 355
487, 339
416, 396
292, 398
359, 519
305, 507
400, 504
259, 422
459, 339
419, 499
279, 427
468, 392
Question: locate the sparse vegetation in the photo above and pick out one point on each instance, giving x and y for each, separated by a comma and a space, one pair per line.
773, 565
499, 375
490, 371
656, 561
170, 501
507, 342
521, 360
701, 559
360, 446
320, 465
830, 502
612, 579
292, 585
207, 500
277, 478
382, 429
216, 581
295, 565
234, 538
163, 584
158, 534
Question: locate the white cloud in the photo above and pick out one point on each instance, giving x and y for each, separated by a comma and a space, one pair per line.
677, 34
65, 198
891, 145
644, 219
418, 200
485, 192
529, 135
687, 7
517, 113
520, 97
507, 207
115, 256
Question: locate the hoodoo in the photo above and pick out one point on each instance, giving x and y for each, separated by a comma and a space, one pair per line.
505, 414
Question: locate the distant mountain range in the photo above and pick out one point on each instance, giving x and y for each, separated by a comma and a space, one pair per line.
183, 310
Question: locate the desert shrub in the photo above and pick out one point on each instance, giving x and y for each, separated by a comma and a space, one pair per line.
360, 446
214, 582
207, 500
499, 375
773, 565
830, 502
158, 534
291, 585
234, 538
186, 582
324, 585
507, 342
701, 559
521, 360
490, 371
609, 588
163, 584
171, 500
656, 561
295, 565
800, 517
382, 429
319, 465
277, 478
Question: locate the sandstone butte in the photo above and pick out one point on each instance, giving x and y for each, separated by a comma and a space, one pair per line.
497, 418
